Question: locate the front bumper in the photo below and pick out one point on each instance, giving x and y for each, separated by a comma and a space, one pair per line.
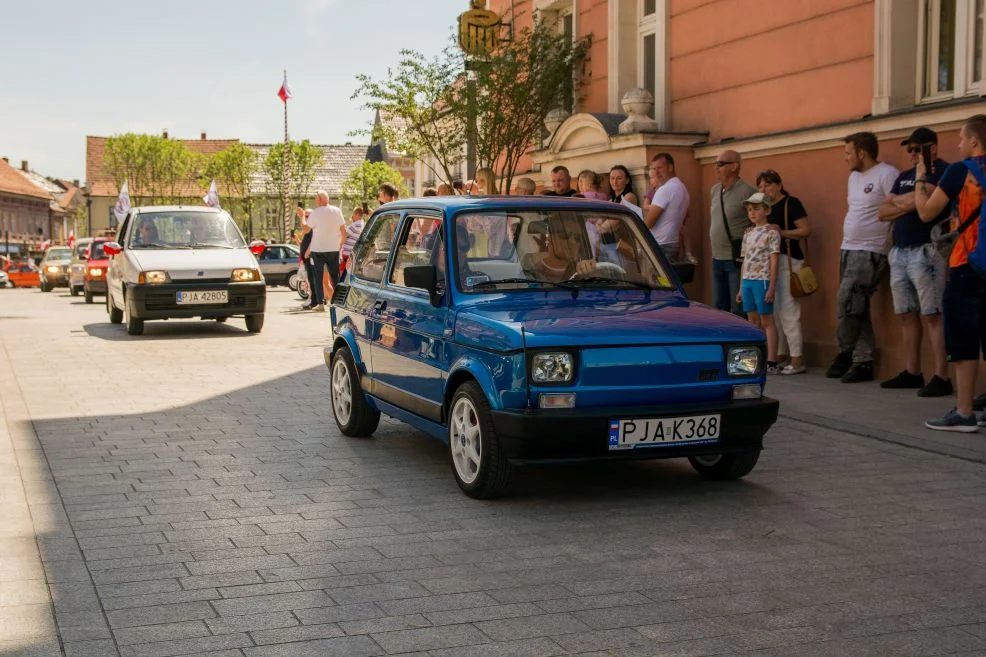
583, 434
159, 301
96, 286
55, 280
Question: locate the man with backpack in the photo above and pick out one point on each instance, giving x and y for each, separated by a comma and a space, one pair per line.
964, 303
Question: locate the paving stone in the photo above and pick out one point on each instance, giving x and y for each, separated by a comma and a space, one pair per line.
430, 638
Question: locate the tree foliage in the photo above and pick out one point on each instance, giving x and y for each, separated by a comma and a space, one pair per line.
517, 86
157, 170
303, 161
233, 170
363, 181
418, 107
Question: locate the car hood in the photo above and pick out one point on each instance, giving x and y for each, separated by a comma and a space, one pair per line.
597, 320
193, 264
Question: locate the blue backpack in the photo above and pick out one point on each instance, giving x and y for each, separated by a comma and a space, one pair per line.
977, 259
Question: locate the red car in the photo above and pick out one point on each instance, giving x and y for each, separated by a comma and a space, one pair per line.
22, 273
96, 266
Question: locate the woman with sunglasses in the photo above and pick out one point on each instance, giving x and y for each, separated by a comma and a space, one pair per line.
789, 215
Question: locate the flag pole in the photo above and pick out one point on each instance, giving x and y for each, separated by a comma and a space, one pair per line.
284, 172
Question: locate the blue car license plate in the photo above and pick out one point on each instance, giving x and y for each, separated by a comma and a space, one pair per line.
658, 432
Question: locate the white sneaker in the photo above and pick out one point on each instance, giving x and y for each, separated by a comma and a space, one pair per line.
318, 309
791, 369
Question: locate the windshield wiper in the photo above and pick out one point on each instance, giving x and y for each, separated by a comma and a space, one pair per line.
604, 279
152, 245
208, 245
508, 281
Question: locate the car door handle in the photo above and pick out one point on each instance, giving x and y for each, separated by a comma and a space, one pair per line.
381, 304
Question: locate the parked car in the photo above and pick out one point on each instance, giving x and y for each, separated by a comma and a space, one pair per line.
22, 273
525, 330
279, 263
182, 262
94, 279
54, 268
77, 268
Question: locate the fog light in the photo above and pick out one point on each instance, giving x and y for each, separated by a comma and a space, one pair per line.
546, 400
749, 391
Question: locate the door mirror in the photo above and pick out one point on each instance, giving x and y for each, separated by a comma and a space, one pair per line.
257, 247
424, 277
685, 271
110, 248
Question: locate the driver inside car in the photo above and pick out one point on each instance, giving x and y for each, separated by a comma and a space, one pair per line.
565, 255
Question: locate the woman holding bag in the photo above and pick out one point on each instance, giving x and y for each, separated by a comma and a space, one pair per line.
788, 214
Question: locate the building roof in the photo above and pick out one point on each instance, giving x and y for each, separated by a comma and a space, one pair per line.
101, 182
55, 190
12, 182
337, 162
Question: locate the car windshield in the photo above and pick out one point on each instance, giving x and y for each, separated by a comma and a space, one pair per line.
60, 255
80, 250
185, 229
546, 248
97, 252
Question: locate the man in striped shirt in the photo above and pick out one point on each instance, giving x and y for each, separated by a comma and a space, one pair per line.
349, 234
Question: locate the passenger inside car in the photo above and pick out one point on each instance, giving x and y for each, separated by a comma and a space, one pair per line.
146, 233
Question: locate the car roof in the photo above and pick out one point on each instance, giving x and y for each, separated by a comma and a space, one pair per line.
174, 208
455, 204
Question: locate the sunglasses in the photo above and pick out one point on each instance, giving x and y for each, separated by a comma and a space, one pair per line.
914, 149
723, 163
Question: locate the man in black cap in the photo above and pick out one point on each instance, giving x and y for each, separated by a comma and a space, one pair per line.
917, 272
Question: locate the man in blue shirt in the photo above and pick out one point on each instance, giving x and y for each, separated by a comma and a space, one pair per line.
917, 272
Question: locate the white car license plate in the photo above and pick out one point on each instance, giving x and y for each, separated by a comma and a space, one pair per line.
202, 297
657, 432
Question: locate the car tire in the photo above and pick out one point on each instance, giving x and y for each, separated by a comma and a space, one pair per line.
74, 291
254, 323
353, 414
479, 464
221, 320
303, 291
135, 326
44, 287
116, 315
725, 467
293, 282
88, 295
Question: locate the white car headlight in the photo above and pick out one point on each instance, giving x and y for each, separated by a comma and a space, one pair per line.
743, 361
52, 269
552, 367
245, 275
153, 277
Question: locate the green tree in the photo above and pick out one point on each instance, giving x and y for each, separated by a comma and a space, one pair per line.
128, 158
233, 170
157, 170
363, 181
517, 86
418, 106
303, 161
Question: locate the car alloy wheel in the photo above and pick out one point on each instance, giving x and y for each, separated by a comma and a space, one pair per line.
293, 282
465, 440
342, 393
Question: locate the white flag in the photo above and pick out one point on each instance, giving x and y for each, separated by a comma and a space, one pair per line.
122, 204
212, 198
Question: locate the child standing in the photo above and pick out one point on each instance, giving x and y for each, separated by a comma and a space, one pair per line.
761, 251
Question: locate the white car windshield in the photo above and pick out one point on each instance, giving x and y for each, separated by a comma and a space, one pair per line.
554, 248
185, 229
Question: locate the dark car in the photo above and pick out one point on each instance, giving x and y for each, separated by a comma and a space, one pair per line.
540, 330
55, 268
94, 278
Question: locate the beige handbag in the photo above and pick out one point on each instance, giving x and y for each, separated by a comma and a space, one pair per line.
803, 282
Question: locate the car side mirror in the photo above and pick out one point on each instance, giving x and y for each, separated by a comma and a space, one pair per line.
257, 247
685, 271
424, 277
110, 248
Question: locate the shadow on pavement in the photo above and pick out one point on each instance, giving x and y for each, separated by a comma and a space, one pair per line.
170, 330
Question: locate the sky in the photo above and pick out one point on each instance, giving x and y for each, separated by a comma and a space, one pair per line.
102, 67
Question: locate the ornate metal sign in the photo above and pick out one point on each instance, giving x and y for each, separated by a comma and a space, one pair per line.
479, 30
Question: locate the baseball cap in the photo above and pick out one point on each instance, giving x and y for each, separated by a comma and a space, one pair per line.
921, 136
759, 198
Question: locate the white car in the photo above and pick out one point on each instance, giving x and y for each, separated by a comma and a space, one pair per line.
4, 279
176, 262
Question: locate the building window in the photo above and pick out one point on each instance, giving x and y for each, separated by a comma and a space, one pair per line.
952, 45
561, 14
647, 57
650, 7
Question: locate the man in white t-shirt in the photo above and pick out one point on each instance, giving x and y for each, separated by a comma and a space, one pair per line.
865, 245
667, 206
325, 223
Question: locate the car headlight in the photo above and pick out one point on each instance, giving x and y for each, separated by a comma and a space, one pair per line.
245, 275
51, 269
743, 361
153, 277
95, 272
552, 367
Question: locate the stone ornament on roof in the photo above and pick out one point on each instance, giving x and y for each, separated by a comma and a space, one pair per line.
637, 103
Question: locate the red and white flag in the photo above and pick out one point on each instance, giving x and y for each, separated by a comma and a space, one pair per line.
285, 91
71, 238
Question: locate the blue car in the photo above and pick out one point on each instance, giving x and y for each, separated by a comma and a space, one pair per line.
524, 330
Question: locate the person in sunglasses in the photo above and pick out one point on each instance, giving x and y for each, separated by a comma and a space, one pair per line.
917, 272
729, 221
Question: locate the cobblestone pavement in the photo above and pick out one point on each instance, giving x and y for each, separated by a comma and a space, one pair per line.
190, 494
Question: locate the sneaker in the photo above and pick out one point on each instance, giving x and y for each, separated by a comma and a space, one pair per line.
840, 365
858, 373
320, 308
937, 387
791, 369
903, 381
954, 422
773, 369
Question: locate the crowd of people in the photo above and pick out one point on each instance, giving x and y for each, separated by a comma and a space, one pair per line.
758, 237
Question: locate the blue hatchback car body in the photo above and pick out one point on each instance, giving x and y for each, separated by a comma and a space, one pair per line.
451, 317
